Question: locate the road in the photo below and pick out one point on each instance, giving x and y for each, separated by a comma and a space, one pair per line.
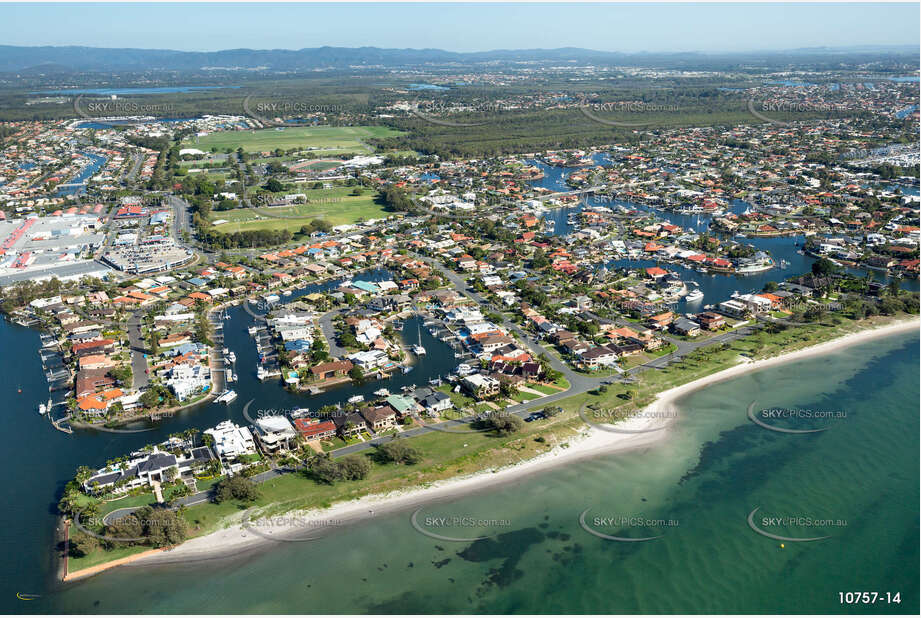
329, 331
182, 219
140, 378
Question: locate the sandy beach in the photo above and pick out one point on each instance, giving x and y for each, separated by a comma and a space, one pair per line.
647, 429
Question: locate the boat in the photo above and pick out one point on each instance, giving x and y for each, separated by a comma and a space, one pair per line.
407, 369
694, 296
230, 376
382, 392
227, 397
418, 350
355, 399
42, 409
231, 356
252, 330
286, 293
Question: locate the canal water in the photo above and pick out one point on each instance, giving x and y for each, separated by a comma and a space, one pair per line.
95, 164
716, 287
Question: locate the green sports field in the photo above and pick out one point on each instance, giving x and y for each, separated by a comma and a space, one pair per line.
333, 205
331, 140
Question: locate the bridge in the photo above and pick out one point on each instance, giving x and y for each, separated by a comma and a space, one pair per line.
584, 191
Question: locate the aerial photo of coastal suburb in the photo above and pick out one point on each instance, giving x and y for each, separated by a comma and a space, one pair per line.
457, 309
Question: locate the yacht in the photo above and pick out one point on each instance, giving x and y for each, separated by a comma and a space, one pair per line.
252, 330
227, 397
355, 399
231, 356
418, 350
286, 293
694, 296
382, 392
42, 408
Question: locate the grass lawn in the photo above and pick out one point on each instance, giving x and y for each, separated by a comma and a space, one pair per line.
339, 139
333, 205
542, 388
522, 396
141, 500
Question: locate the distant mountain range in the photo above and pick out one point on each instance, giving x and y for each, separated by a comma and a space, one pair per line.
72, 58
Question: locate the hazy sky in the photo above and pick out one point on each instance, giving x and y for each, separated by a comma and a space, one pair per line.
462, 27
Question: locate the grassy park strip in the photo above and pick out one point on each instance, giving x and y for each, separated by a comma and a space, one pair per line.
335, 206
329, 140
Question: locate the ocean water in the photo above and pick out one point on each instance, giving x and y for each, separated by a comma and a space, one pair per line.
694, 491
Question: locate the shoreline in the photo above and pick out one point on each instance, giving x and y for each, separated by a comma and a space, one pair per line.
591, 442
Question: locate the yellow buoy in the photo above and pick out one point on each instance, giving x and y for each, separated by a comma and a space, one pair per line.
781, 546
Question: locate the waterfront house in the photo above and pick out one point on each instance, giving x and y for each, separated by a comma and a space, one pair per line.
684, 326
274, 434
314, 429
348, 425
733, 308
379, 418
231, 441
711, 321
437, 402
481, 386
332, 369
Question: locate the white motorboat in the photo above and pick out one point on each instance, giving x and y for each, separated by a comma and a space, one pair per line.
693, 296
382, 392
227, 397
355, 399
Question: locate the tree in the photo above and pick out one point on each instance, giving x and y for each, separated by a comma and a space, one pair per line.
504, 424
895, 286
82, 544
397, 451
508, 389
274, 185
354, 467
236, 488
323, 469
823, 266
358, 378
